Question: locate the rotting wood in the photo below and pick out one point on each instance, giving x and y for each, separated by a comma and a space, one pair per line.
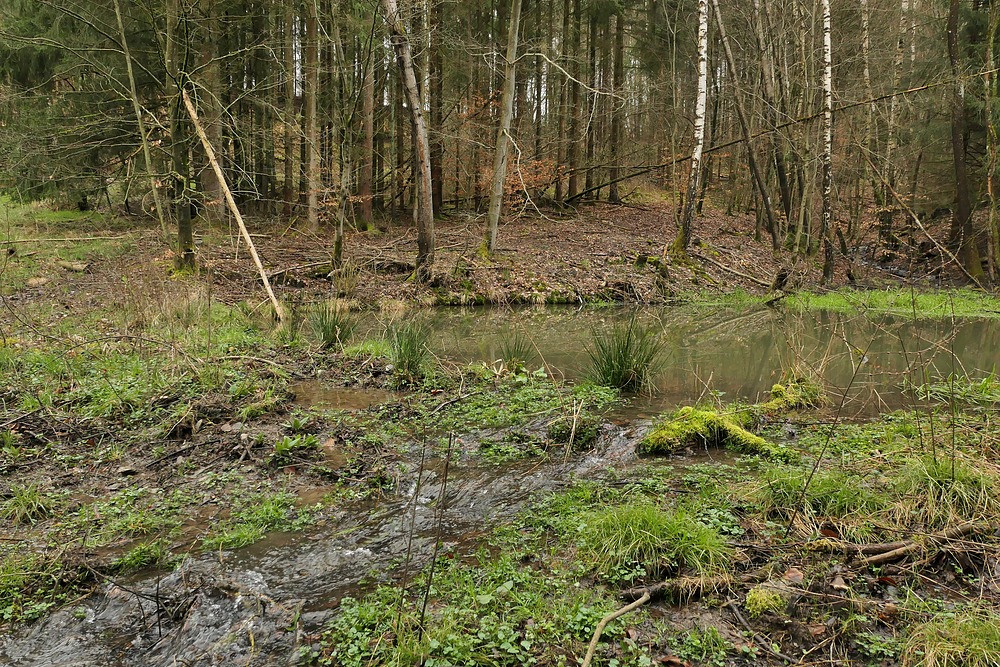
279, 310
690, 587
66, 240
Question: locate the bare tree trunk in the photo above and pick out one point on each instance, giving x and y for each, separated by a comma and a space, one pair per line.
435, 99
618, 108
758, 178
576, 113
506, 113
290, 122
179, 138
962, 233
422, 161
992, 147
687, 217
368, 139
826, 224
147, 156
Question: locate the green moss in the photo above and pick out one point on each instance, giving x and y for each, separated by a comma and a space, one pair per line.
762, 599
795, 395
693, 427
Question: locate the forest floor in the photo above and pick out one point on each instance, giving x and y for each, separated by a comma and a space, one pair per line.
149, 420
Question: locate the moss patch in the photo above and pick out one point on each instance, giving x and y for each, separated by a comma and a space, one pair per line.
691, 427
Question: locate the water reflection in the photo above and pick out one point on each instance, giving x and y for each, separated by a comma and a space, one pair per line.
739, 354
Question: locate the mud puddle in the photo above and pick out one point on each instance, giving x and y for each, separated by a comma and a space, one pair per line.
251, 606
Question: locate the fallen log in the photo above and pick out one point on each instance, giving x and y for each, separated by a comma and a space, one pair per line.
910, 546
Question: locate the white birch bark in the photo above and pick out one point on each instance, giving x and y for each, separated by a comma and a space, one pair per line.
694, 181
826, 226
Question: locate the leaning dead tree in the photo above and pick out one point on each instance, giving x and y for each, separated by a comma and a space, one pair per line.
506, 114
279, 310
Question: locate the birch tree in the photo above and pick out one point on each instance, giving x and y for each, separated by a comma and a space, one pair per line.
694, 180
826, 223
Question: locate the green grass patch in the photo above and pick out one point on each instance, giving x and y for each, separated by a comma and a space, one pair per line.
936, 304
641, 539
256, 515
964, 638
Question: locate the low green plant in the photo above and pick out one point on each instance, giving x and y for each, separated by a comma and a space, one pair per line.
289, 447
516, 349
30, 585
28, 503
333, 325
641, 537
965, 638
298, 423
409, 353
143, 555
702, 647
627, 357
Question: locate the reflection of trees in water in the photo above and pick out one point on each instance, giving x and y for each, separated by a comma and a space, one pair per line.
739, 352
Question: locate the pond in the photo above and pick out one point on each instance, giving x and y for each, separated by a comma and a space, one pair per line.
740, 353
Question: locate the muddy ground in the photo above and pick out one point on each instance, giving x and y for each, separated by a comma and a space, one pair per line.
150, 422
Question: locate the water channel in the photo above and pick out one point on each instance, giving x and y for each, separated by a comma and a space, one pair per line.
251, 606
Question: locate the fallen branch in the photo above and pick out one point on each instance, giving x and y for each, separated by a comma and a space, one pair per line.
65, 240
599, 630
758, 281
300, 267
910, 546
761, 641
689, 587
279, 310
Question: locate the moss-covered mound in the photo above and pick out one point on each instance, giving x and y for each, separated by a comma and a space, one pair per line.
795, 395
692, 427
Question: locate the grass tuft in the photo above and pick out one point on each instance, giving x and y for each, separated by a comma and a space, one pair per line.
969, 638
944, 490
333, 325
640, 539
409, 353
626, 357
516, 349
28, 504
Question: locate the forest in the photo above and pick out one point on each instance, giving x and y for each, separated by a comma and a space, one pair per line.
841, 127
594, 333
